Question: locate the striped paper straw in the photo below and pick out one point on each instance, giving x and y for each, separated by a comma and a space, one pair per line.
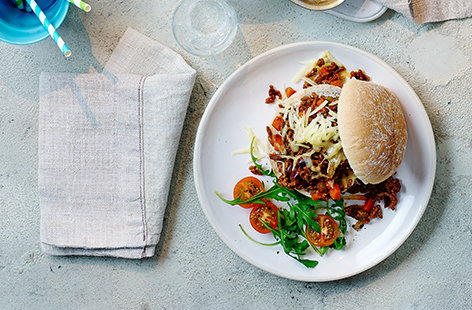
82, 5
49, 28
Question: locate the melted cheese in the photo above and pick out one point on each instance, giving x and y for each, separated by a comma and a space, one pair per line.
318, 132
313, 131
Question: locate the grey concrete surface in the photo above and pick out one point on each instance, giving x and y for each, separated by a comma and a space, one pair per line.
193, 268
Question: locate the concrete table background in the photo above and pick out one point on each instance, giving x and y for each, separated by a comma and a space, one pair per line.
193, 268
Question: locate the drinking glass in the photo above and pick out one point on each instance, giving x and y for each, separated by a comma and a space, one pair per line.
204, 27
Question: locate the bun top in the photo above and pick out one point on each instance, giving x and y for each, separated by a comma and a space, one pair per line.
372, 128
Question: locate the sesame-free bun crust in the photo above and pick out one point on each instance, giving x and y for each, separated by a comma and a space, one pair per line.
372, 129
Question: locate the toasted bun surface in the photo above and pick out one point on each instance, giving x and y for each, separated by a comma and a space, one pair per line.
372, 129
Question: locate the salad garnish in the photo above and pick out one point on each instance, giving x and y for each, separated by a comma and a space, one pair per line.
299, 215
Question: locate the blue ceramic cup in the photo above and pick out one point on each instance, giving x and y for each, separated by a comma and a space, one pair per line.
21, 27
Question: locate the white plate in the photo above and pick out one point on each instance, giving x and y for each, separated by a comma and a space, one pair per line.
239, 103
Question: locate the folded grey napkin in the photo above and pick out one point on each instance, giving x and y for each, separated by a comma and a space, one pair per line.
107, 144
424, 11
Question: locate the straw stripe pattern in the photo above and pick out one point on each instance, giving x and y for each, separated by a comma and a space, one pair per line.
49, 28
81, 4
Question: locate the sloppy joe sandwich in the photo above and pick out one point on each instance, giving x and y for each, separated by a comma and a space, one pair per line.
331, 142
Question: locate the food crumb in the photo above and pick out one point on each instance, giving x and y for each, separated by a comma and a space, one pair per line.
360, 75
254, 170
273, 94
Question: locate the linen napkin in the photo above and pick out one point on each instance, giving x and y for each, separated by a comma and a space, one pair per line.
424, 11
107, 145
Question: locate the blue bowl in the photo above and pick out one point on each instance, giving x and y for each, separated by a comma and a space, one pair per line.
20, 27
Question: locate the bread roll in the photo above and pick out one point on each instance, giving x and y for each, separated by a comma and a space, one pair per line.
372, 129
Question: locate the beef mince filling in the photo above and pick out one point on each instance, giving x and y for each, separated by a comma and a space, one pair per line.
383, 193
298, 173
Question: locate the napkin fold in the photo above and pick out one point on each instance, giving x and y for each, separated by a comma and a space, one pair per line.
107, 145
424, 11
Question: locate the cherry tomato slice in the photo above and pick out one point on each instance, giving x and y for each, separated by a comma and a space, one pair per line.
329, 231
268, 213
247, 188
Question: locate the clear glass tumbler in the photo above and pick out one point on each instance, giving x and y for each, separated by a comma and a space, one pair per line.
204, 27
